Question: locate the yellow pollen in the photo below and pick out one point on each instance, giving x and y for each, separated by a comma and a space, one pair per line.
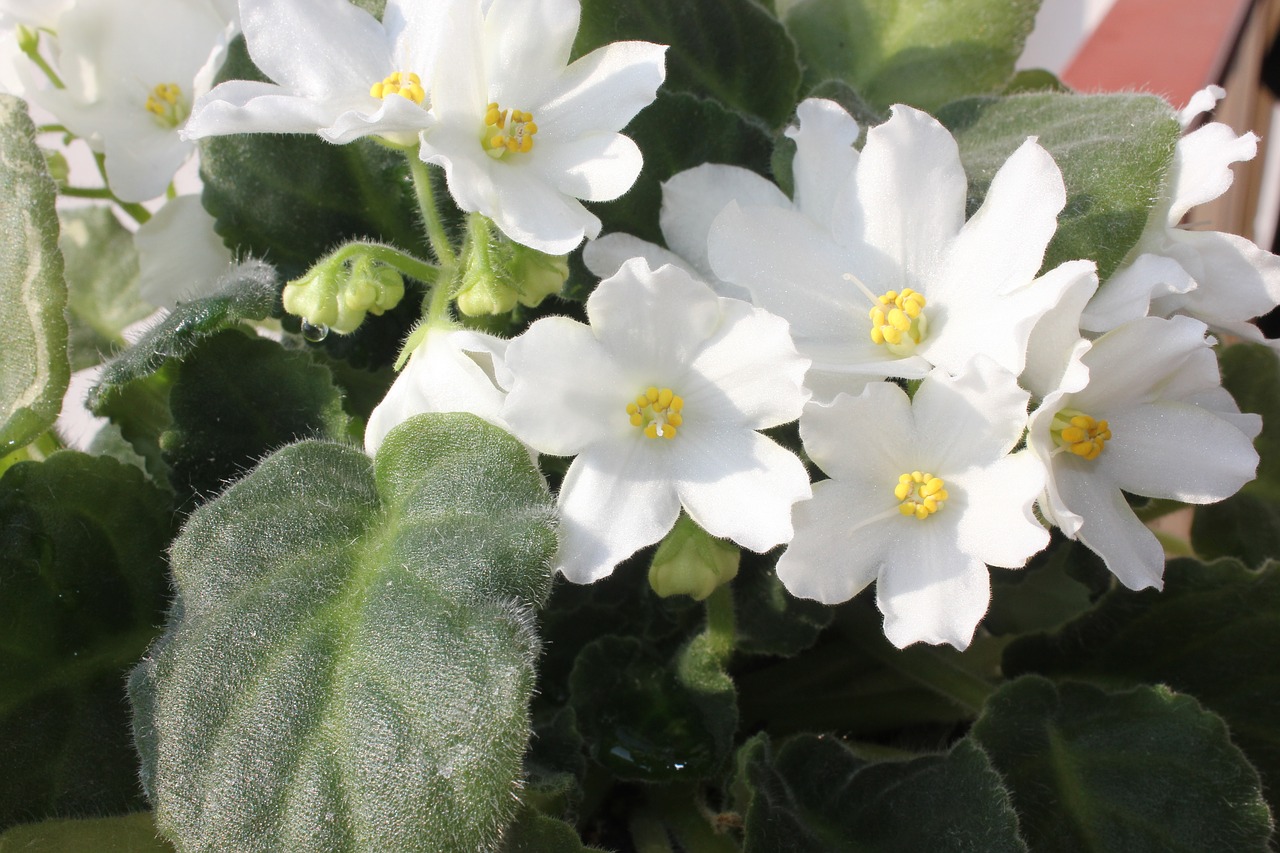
898, 321
657, 411
1079, 433
920, 494
507, 131
166, 104
407, 86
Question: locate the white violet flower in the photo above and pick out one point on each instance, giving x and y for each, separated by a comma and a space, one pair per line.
337, 71
897, 282
1222, 279
451, 370
924, 495
1153, 420
660, 399
180, 257
523, 135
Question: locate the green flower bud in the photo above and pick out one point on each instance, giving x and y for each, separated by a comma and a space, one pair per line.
314, 297
482, 293
692, 562
28, 39
498, 274
336, 297
59, 170
537, 276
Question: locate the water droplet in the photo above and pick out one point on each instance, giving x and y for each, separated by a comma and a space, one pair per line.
315, 334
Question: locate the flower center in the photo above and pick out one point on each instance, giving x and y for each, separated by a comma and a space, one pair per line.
657, 412
502, 136
1079, 433
920, 494
407, 85
898, 322
167, 105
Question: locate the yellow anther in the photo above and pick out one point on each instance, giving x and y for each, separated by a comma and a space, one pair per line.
515, 139
657, 412
1080, 434
920, 494
406, 85
166, 103
898, 321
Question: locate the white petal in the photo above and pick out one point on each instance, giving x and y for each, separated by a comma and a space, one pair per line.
841, 540
1201, 102
566, 392
1202, 166
316, 47
1135, 363
460, 87
614, 501
750, 367
179, 255
415, 30
527, 41
653, 322
598, 167
1128, 293
861, 440
243, 106
910, 201
970, 419
395, 118
930, 592
606, 254
998, 525
1055, 347
825, 158
534, 214
1179, 451
739, 485
602, 91
1110, 529
141, 165
692, 199
1235, 279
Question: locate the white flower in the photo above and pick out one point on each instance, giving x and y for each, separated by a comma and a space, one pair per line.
923, 496
660, 399
895, 281
522, 135
1153, 420
338, 71
451, 370
179, 255
131, 71
1222, 279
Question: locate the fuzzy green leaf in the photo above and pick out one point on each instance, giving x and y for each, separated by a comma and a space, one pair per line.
135, 833
82, 586
1201, 636
1143, 770
34, 370
1115, 153
349, 661
816, 795
909, 52
733, 51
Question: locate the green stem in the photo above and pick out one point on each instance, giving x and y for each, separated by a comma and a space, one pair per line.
87, 192
420, 270
721, 623
33, 53
430, 213
52, 128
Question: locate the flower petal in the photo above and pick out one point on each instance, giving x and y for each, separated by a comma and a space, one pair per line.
825, 158
331, 46
602, 91
859, 440
1055, 347
1110, 529
243, 106
1202, 166
527, 41
739, 485
180, 257
613, 502
998, 525
394, 118
598, 167
1127, 295
1136, 362
970, 419
605, 255
841, 540
1235, 280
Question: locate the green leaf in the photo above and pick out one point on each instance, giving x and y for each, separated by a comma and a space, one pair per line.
771, 621
33, 295
638, 718
135, 833
676, 132
236, 398
349, 661
82, 585
1046, 593
248, 292
1143, 770
102, 283
1115, 153
1247, 524
1201, 635
734, 51
535, 833
290, 198
904, 51
816, 795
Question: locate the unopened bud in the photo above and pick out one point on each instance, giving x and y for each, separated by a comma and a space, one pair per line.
692, 562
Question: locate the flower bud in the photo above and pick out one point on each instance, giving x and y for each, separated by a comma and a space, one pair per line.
537, 275
692, 562
336, 297
498, 274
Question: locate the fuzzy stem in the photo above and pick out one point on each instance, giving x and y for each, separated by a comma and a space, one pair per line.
430, 214
721, 622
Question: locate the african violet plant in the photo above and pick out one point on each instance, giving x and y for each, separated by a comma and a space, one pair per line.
625, 425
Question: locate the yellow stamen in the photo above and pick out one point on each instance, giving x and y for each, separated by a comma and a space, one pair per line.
499, 139
898, 321
657, 412
920, 494
406, 85
166, 103
1080, 434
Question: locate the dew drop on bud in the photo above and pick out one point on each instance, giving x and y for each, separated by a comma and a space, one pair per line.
313, 333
